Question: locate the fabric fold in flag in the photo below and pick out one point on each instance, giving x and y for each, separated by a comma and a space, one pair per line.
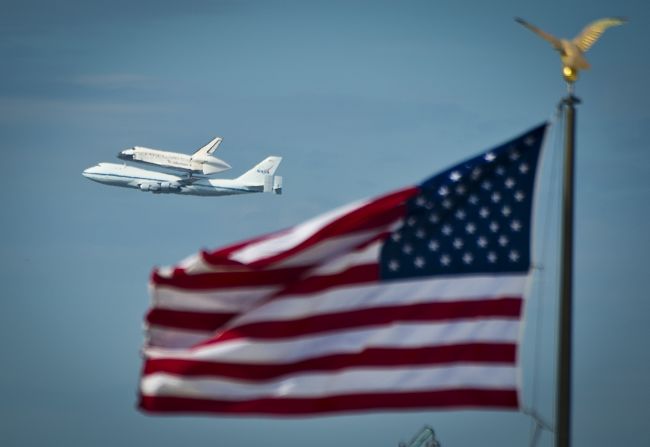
411, 300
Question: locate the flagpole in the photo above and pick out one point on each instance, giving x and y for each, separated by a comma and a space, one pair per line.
573, 60
565, 329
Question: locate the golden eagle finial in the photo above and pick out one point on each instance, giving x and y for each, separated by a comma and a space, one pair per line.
572, 52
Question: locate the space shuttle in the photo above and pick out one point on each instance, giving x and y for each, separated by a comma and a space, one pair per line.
200, 162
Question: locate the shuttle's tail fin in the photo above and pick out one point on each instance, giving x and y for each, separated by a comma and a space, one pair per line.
208, 148
261, 171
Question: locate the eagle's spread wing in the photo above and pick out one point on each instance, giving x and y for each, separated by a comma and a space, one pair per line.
592, 32
544, 35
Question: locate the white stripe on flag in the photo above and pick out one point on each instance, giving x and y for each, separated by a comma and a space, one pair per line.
395, 293
228, 300
403, 335
330, 248
365, 256
364, 380
292, 237
173, 338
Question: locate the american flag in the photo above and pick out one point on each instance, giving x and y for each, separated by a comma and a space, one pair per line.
409, 300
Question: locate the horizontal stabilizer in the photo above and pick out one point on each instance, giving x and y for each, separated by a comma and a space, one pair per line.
277, 184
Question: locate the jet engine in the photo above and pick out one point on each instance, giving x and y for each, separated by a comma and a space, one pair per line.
158, 188
167, 187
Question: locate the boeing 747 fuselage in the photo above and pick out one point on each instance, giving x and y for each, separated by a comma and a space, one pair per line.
260, 178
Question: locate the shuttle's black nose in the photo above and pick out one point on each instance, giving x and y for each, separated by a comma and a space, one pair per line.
126, 154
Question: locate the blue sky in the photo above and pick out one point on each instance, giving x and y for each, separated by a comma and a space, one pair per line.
360, 97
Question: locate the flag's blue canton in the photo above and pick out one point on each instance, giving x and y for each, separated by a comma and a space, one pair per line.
472, 218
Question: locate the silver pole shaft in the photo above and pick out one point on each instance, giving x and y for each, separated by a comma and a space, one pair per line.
563, 398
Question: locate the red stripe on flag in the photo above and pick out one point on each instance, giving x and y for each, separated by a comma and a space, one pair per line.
198, 321
359, 274
371, 357
378, 316
456, 398
223, 280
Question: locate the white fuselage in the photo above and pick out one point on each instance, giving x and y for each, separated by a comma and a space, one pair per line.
159, 182
203, 163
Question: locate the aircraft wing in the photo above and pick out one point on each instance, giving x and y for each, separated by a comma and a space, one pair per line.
188, 180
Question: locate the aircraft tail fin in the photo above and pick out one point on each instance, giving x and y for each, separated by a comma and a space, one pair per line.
260, 172
208, 148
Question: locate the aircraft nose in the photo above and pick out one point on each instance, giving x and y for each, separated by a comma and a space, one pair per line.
88, 172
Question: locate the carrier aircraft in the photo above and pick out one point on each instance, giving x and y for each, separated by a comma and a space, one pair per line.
261, 178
